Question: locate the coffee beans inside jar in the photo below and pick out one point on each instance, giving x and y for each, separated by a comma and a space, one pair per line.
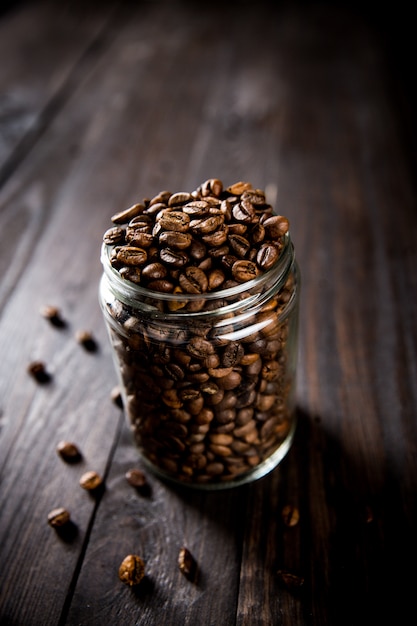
200, 295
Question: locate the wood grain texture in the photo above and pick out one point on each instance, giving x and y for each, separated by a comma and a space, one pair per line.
116, 102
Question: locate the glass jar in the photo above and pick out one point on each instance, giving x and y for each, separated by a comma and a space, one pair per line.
208, 380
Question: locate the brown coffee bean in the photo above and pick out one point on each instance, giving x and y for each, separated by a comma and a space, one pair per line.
90, 481
131, 255
132, 570
137, 238
243, 271
244, 212
200, 348
123, 217
290, 580
175, 220
181, 197
276, 226
86, 340
37, 369
68, 451
193, 280
114, 236
267, 256
187, 563
53, 315
59, 517
212, 186
162, 285
206, 225
174, 258
290, 515
136, 478
175, 240
238, 188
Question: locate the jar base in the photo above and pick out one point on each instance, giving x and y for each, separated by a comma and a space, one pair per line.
256, 473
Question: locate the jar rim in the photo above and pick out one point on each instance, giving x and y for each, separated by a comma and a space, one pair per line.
131, 291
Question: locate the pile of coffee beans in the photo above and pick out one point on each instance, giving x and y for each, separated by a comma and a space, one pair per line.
209, 399
192, 243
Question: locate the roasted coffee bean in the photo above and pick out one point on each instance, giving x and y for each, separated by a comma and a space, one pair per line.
136, 478
139, 238
212, 186
243, 271
175, 220
267, 256
197, 208
87, 340
114, 236
290, 515
53, 315
90, 481
162, 285
132, 570
68, 451
193, 280
187, 563
123, 217
244, 213
276, 226
206, 225
131, 255
172, 257
38, 370
239, 188
57, 518
181, 197
176, 240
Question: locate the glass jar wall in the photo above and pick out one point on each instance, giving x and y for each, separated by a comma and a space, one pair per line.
208, 380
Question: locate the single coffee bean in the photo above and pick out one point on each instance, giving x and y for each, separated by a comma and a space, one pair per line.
175, 220
125, 216
53, 315
187, 563
131, 255
193, 280
90, 481
68, 451
57, 518
244, 270
115, 235
136, 478
37, 369
290, 515
132, 570
175, 240
86, 339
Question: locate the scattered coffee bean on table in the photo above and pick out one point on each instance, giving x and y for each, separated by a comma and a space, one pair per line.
59, 517
53, 315
86, 339
187, 563
289, 580
90, 481
116, 396
68, 451
132, 570
290, 515
37, 369
136, 478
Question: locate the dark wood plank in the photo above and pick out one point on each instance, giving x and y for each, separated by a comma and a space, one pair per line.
296, 99
44, 48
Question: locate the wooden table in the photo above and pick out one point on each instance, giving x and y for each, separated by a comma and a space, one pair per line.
101, 105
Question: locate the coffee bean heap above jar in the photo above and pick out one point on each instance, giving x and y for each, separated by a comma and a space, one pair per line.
195, 242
